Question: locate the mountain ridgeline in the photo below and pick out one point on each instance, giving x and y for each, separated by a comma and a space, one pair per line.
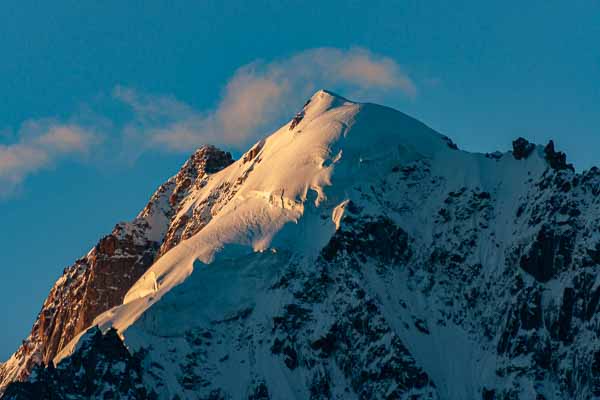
354, 253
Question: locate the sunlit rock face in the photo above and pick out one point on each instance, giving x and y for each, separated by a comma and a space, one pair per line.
352, 254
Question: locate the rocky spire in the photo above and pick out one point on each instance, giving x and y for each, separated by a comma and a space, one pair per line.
556, 159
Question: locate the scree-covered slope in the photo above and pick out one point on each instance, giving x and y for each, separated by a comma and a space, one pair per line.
356, 253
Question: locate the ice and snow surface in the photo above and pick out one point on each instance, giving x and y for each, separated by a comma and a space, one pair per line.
279, 203
290, 196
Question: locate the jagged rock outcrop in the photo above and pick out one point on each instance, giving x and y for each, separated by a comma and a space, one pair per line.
556, 159
299, 116
194, 174
522, 148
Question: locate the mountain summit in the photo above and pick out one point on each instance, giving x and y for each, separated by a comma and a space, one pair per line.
353, 253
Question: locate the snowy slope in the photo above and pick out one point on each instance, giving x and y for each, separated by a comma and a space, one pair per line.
356, 253
286, 188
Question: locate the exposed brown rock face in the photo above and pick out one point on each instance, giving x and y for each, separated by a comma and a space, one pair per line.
91, 286
99, 280
206, 160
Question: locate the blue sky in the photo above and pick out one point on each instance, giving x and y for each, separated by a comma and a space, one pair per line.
101, 102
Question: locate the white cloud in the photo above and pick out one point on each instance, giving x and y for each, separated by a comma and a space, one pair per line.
257, 96
40, 144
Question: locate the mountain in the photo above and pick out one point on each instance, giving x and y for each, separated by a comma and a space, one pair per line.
355, 253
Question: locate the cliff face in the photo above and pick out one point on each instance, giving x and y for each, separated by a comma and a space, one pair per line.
353, 254
99, 280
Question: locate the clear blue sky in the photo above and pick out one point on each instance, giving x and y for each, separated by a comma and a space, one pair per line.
482, 73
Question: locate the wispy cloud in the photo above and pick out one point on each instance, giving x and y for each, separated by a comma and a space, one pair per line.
258, 95
40, 144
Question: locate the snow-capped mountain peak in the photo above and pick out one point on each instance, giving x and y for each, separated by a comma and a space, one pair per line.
357, 253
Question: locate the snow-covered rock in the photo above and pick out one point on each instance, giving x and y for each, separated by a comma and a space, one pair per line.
357, 253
